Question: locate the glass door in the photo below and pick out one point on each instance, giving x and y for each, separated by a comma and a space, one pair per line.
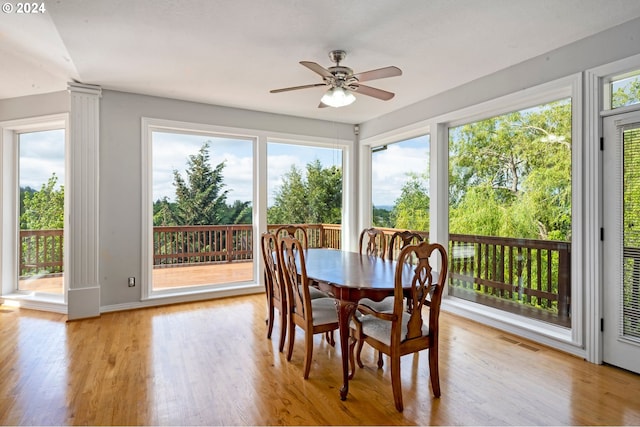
621, 213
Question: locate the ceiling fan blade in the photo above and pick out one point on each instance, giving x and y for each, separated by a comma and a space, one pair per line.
374, 92
286, 89
316, 68
380, 73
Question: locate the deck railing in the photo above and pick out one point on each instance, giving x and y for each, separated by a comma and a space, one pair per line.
181, 245
41, 252
529, 277
523, 276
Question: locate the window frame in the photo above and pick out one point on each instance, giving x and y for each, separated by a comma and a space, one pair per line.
333, 145
9, 231
571, 340
259, 202
168, 126
367, 147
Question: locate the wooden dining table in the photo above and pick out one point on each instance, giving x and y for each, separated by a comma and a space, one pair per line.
350, 277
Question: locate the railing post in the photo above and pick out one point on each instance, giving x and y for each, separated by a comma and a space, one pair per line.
229, 243
564, 280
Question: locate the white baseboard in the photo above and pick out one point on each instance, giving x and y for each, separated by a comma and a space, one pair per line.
166, 299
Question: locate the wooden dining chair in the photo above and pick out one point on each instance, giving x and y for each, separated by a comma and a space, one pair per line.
313, 316
400, 239
373, 242
275, 289
300, 233
399, 333
294, 230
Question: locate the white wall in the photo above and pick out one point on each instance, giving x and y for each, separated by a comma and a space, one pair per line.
34, 106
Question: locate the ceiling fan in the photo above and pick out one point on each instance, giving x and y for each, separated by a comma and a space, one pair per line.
342, 82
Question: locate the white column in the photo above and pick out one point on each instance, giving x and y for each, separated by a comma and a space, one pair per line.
439, 184
82, 189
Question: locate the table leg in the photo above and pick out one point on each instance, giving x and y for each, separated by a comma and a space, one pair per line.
345, 311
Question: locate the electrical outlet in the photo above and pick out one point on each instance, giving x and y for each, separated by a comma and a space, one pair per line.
132, 282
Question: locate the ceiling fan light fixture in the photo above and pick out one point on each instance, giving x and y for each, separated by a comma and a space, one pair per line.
338, 97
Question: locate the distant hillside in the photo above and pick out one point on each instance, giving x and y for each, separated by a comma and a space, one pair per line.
384, 207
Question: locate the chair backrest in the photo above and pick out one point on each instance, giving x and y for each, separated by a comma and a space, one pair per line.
294, 271
273, 276
400, 239
375, 244
427, 287
296, 231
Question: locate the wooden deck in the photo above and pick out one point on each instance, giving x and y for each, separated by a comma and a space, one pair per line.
166, 277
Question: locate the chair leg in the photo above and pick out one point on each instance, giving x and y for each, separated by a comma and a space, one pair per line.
270, 320
433, 370
352, 344
283, 329
330, 338
292, 338
308, 355
380, 361
359, 351
396, 385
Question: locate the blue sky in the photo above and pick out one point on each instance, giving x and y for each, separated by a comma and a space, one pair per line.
42, 153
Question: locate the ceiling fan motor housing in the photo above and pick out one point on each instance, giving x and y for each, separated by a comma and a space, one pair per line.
337, 56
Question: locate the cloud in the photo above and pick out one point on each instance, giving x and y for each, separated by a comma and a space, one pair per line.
41, 155
390, 168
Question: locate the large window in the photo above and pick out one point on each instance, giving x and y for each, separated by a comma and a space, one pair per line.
305, 187
400, 184
202, 209
510, 211
41, 172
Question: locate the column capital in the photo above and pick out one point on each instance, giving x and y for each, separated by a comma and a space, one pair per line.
75, 87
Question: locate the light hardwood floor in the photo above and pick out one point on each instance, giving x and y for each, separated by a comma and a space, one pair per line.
209, 363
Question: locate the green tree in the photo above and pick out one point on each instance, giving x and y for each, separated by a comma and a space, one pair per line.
164, 213
511, 175
411, 209
43, 209
381, 217
315, 197
238, 213
201, 199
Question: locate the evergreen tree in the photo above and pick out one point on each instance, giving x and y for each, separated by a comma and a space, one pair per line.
201, 199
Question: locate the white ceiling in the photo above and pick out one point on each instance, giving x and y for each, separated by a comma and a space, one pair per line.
232, 52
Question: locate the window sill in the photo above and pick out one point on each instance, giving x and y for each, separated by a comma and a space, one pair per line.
543, 333
36, 301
